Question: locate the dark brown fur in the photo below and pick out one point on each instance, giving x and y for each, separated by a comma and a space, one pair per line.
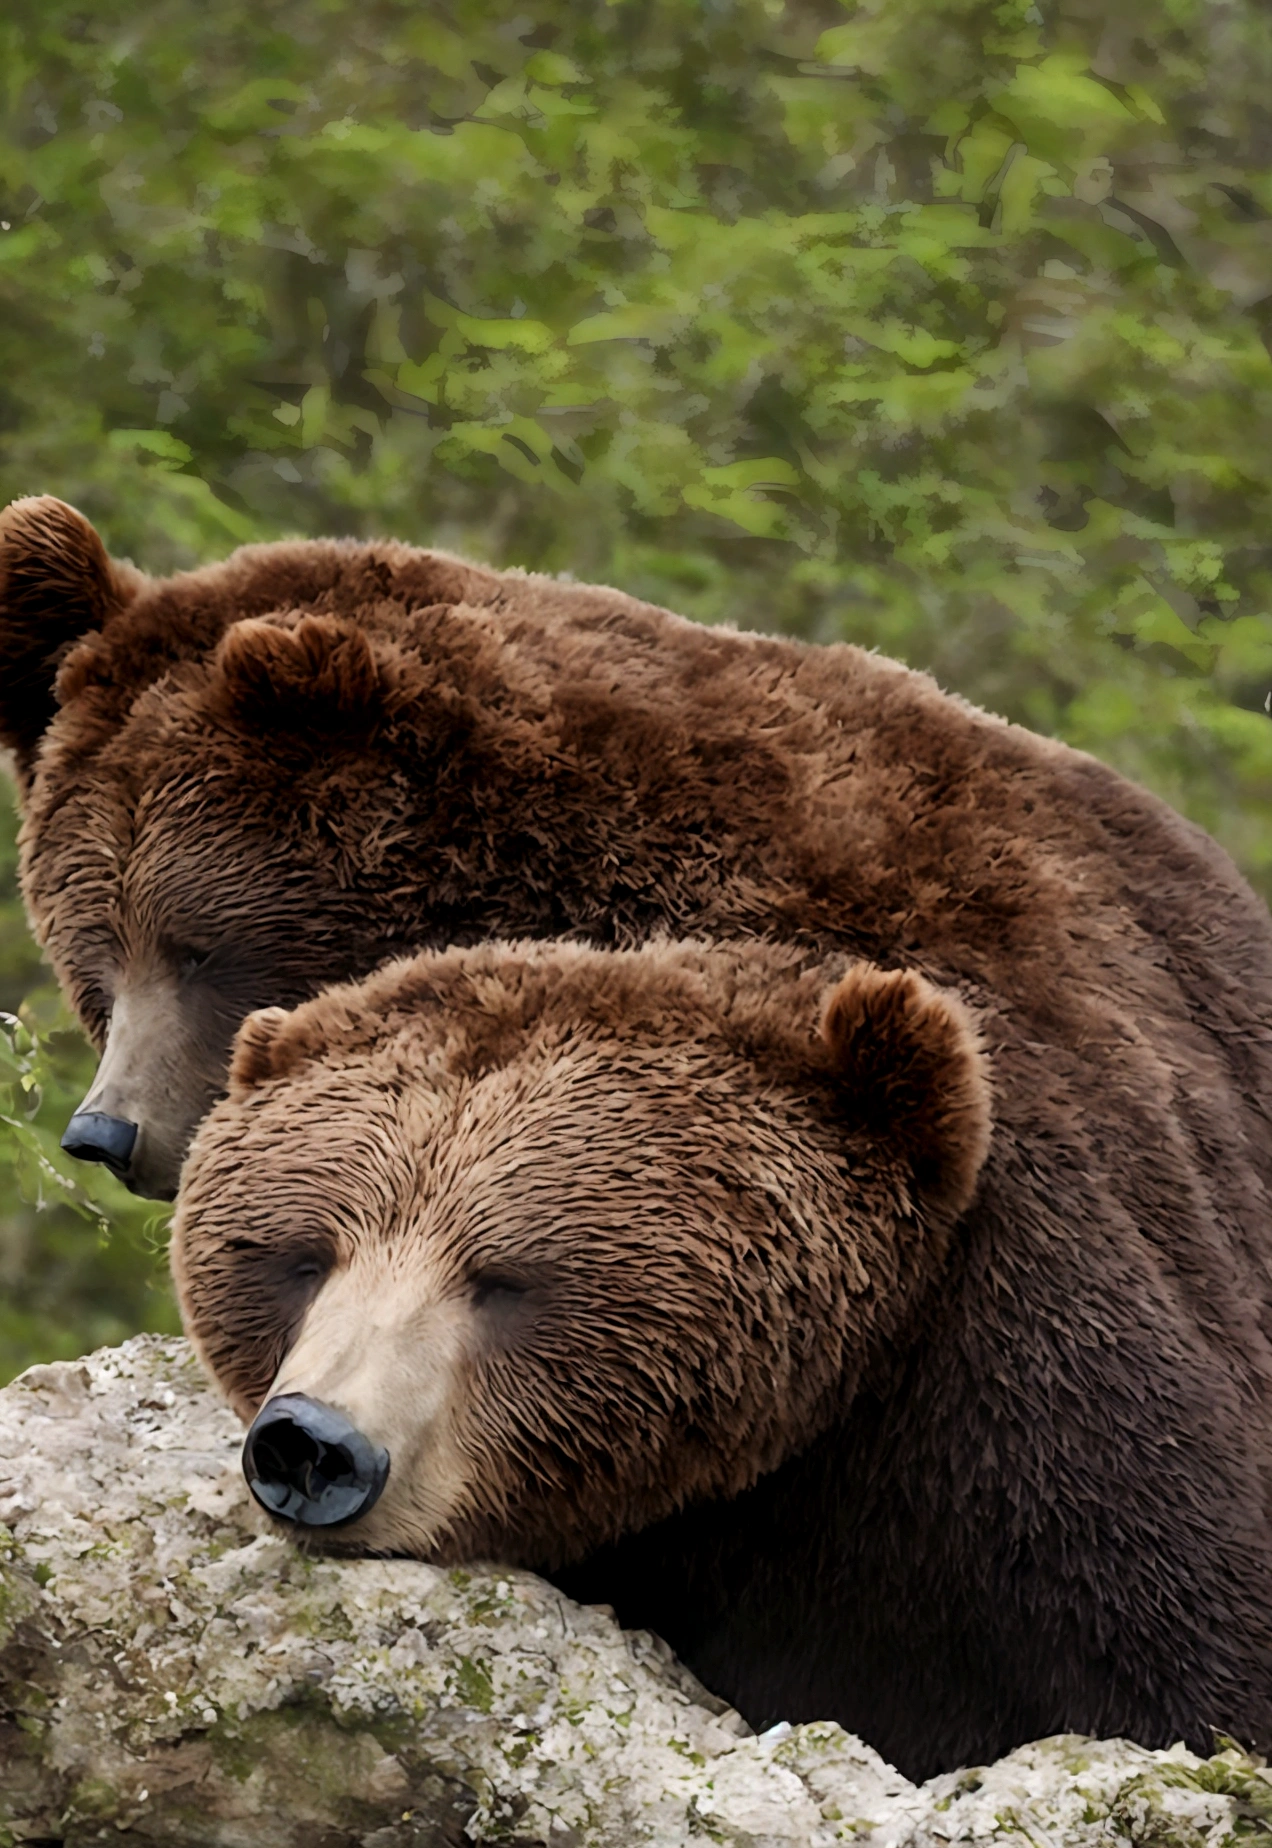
213, 825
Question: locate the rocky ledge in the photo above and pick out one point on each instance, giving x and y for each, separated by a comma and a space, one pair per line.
171, 1673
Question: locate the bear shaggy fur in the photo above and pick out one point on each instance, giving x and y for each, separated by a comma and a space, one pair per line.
245, 782
646, 1269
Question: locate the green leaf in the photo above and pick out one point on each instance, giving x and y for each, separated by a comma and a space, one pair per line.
639, 321
160, 443
549, 67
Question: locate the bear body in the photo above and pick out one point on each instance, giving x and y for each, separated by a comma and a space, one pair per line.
694, 1276
247, 781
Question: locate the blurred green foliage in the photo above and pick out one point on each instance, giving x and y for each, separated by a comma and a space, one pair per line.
81, 1261
938, 325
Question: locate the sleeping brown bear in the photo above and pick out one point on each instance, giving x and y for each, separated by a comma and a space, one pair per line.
654, 1270
246, 781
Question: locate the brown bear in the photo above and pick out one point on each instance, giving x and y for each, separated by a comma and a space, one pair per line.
653, 1270
246, 781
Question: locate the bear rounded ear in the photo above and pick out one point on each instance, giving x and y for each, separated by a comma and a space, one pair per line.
254, 1059
915, 1075
56, 583
320, 670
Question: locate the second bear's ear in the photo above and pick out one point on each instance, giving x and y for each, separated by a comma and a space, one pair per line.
254, 1058
915, 1075
56, 583
320, 671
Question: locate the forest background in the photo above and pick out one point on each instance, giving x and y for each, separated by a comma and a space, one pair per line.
936, 326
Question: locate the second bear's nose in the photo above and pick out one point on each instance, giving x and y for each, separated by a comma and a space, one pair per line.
91, 1135
305, 1462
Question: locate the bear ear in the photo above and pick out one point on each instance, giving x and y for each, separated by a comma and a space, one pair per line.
915, 1075
56, 583
319, 671
255, 1056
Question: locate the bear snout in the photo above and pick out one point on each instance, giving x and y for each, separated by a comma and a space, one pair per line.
156, 1079
306, 1463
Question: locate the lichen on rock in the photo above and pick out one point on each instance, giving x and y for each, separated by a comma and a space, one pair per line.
173, 1673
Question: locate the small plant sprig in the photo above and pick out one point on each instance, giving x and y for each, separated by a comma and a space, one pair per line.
40, 1168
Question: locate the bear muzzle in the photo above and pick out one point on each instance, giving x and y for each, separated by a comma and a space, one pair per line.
159, 1074
306, 1463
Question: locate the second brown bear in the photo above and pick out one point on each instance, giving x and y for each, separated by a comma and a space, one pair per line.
647, 1269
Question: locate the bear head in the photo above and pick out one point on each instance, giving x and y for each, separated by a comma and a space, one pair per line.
565, 1239
216, 772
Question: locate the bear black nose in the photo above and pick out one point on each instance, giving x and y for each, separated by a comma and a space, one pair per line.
305, 1462
93, 1136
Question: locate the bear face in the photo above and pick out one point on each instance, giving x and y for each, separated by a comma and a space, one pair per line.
577, 1237
192, 779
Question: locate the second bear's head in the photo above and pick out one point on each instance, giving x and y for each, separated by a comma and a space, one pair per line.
563, 1239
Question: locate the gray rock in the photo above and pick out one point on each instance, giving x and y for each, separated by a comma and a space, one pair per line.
172, 1673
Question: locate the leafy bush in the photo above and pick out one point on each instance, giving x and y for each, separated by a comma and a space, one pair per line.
936, 325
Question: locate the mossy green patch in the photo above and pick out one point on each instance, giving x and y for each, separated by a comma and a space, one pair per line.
471, 1682
18, 1593
1230, 1774
521, 1748
93, 1798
